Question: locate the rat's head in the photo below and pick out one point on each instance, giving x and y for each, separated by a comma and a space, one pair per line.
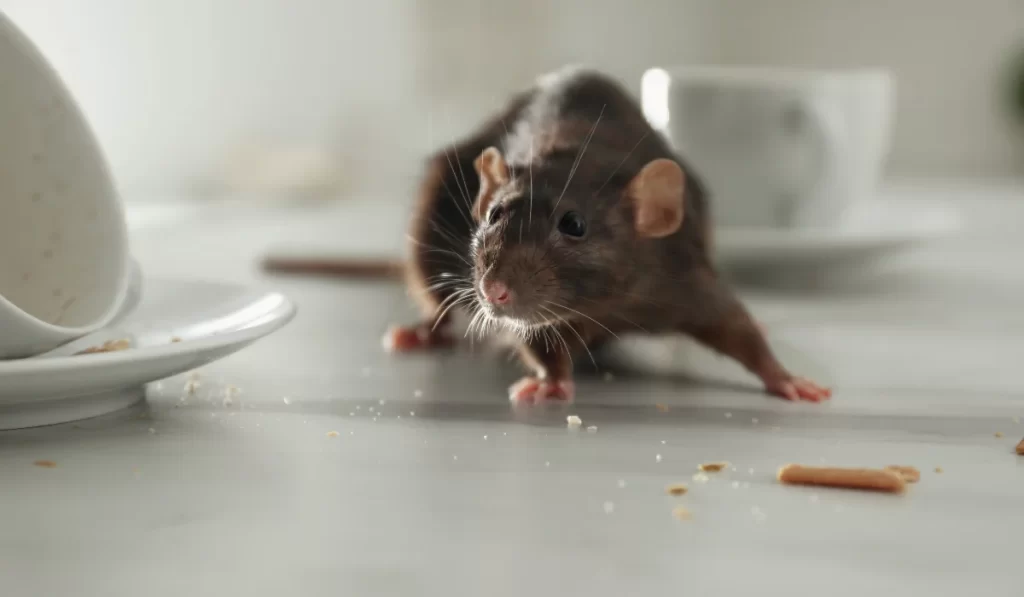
544, 252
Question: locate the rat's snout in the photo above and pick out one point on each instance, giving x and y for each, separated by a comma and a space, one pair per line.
495, 292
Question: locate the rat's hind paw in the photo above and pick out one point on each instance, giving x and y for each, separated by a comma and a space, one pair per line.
412, 338
531, 390
797, 388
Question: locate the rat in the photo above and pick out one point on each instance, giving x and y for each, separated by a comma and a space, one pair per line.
566, 220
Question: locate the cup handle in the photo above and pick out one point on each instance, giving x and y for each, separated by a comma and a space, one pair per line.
828, 135
133, 293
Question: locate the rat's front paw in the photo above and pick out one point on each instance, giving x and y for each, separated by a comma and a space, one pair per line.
797, 388
532, 390
412, 338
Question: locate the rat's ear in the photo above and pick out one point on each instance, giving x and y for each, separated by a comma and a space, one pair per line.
493, 172
657, 196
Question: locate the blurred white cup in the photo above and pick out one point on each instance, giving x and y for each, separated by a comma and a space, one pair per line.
65, 268
778, 148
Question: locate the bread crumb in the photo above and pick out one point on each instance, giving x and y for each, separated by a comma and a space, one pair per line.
754, 421
735, 484
412, 413
333, 434
608, 376
45, 464
108, 346
286, 400
681, 513
152, 431
759, 515
728, 415
175, 340
938, 470
1016, 420
657, 458
677, 489
547, 464
609, 507
592, 429
417, 393
998, 434
662, 408
701, 478
713, 467
573, 421
621, 483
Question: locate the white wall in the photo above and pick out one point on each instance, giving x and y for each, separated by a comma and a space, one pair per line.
171, 86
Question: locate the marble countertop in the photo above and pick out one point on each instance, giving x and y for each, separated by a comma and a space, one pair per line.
433, 486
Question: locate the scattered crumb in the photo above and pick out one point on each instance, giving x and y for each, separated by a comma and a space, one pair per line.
621, 483
175, 340
609, 507
608, 376
454, 457
381, 402
754, 421
681, 513
108, 346
939, 470
662, 408
152, 431
573, 421
750, 471
351, 414
547, 464
333, 434
998, 434
713, 467
657, 458
728, 415
701, 478
813, 498
758, 514
370, 409
1016, 420
592, 429
45, 464
228, 402
663, 442
677, 489
191, 387
417, 394
286, 400
735, 484
485, 438
412, 413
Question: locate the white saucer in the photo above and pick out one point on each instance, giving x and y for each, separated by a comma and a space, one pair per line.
871, 229
177, 327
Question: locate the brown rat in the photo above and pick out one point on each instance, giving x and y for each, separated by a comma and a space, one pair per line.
566, 220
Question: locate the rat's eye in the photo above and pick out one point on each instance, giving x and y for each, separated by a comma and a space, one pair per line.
494, 215
572, 224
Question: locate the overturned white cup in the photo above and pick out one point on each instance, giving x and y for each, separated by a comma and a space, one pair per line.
65, 266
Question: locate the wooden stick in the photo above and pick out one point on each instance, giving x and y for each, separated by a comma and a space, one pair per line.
846, 478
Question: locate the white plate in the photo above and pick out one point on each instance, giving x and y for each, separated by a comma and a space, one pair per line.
211, 321
871, 230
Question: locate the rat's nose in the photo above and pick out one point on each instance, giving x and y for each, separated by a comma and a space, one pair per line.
496, 293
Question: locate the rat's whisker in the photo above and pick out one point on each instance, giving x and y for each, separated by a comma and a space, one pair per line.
612, 175
561, 306
579, 157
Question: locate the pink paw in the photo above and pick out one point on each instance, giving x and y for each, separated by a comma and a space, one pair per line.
408, 339
798, 388
531, 390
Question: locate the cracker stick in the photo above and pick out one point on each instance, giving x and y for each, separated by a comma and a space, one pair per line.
909, 473
847, 478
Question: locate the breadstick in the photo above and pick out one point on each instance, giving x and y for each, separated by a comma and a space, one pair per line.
847, 478
909, 473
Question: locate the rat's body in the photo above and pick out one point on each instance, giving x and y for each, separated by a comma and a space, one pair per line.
568, 220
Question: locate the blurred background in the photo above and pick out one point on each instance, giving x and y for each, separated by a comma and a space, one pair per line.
334, 97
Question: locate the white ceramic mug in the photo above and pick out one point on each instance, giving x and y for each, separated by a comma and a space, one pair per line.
65, 267
778, 147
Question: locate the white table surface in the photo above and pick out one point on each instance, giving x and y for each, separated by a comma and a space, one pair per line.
464, 498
